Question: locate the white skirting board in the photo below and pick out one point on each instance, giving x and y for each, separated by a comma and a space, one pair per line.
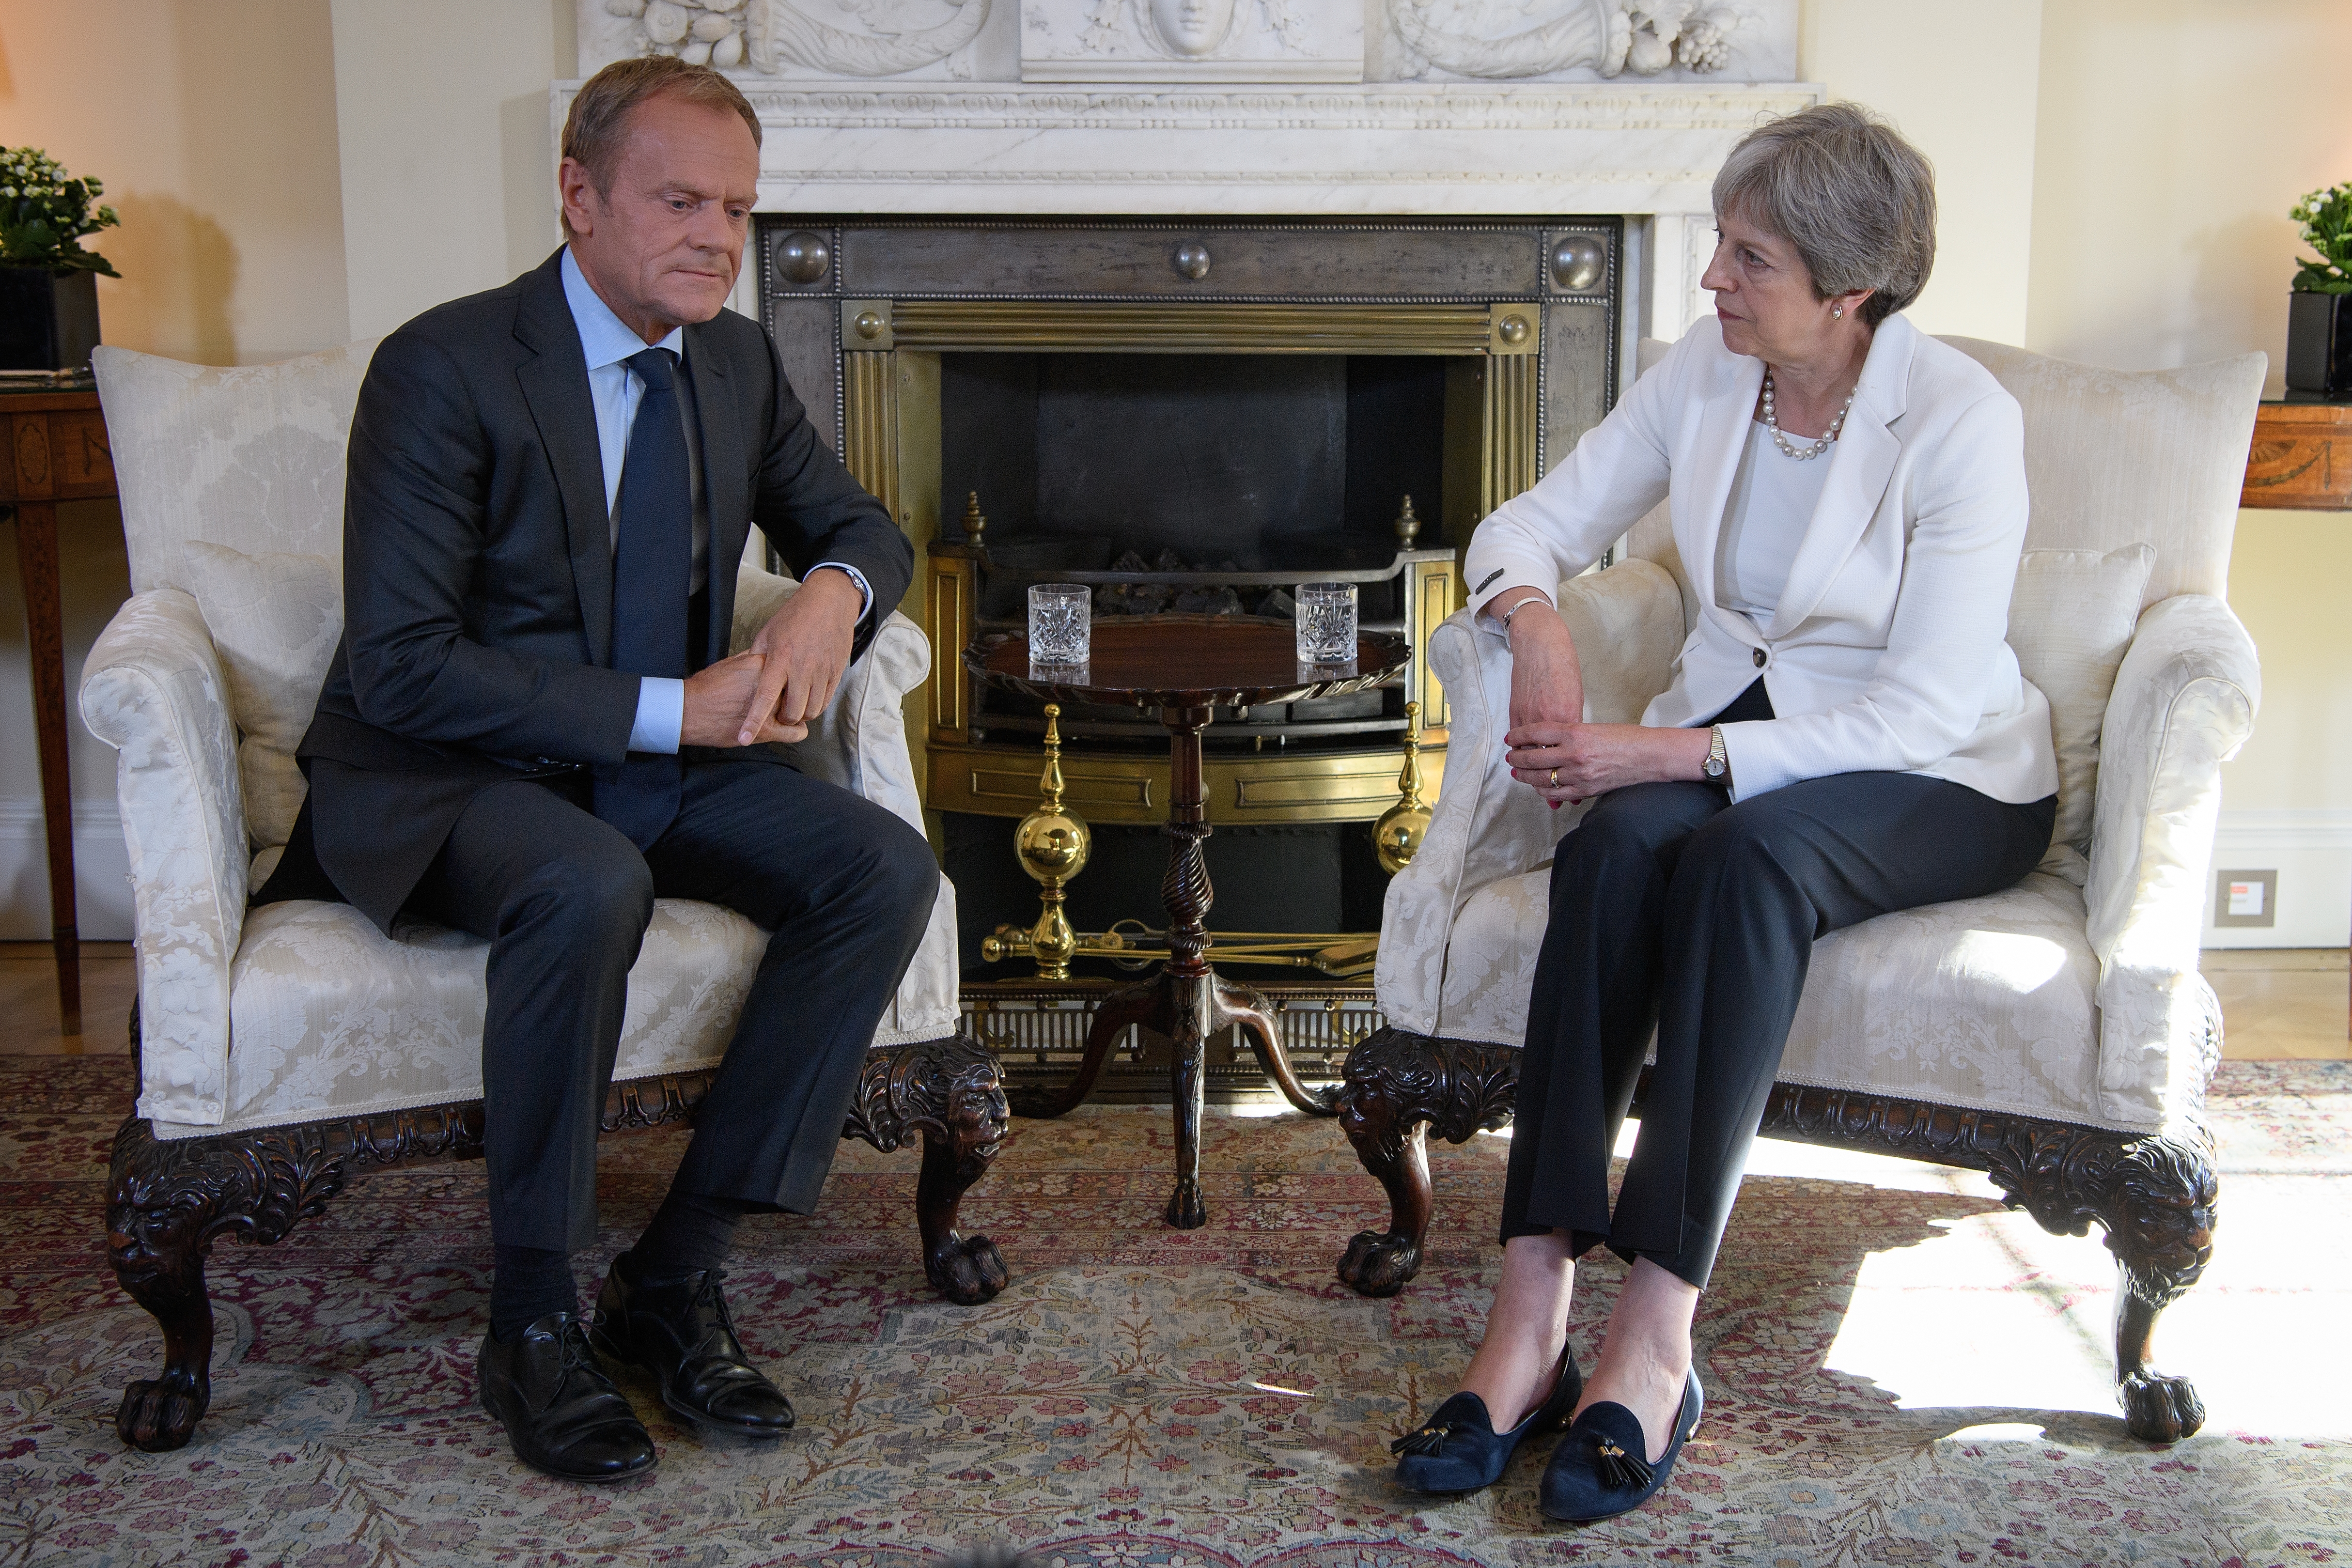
2310, 852
101, 872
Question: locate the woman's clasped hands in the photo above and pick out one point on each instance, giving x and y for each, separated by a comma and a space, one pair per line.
1550, 746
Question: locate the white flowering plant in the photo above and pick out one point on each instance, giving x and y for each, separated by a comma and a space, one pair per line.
44, 213
2326, 220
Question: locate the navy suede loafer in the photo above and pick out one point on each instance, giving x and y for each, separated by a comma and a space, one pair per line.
1458, 1451
1602, 1467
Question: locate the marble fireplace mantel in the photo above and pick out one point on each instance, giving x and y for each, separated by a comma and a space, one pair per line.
1302, 108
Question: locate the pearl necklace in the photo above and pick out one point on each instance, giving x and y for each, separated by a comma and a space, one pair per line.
1819, 443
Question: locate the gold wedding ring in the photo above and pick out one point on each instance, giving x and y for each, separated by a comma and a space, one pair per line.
1555, 778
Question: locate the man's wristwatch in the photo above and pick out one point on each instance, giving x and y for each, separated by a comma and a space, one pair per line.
1717, 766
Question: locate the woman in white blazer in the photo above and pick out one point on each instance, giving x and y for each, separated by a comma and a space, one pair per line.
1847, 733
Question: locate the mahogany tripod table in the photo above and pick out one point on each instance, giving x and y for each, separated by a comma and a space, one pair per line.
1187, 666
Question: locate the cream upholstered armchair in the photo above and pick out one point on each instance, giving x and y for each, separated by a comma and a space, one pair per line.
278, 1046
2056, 1036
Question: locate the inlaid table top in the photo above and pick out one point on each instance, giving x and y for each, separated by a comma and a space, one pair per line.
1186, 661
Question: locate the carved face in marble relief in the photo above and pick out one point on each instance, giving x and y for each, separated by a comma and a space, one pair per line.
1193, 27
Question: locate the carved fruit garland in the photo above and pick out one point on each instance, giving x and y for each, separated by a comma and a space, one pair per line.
774, 36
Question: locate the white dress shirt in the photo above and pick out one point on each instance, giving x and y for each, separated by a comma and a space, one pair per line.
616, 389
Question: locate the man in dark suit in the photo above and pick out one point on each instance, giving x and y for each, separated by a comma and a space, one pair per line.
531, 730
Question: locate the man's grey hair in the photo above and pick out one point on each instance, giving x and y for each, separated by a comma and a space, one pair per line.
1843, 187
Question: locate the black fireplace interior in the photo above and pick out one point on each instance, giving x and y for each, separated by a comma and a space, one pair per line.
1189, 464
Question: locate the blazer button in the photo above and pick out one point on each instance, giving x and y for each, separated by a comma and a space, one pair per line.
1759, 658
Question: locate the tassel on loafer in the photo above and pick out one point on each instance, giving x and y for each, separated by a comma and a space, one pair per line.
1457, 1449
1602, 1467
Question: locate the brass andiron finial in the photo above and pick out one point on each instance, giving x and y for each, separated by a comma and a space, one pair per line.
1398, 834
974, 525
1053, 844
1408, 526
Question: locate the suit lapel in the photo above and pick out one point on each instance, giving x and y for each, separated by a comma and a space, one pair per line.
726, 482
1715, 451
1862, 461
554, 381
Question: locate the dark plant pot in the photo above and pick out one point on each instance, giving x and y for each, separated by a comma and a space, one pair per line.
49, 321
2319, 344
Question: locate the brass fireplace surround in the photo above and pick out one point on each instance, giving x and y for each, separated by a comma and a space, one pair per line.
1524, 312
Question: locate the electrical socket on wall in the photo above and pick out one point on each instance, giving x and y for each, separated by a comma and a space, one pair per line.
2245, 898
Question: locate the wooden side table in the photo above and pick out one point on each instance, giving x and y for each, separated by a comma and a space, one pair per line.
2302, 458
1187, 666
56, 451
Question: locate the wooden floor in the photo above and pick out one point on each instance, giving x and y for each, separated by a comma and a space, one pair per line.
2279, 1003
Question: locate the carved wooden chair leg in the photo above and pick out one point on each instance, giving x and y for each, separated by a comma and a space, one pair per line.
2160, 1213
166, 1204
1395, 1085
949, 1092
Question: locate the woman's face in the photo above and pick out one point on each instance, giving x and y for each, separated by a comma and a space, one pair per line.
1193, 27
1764, 298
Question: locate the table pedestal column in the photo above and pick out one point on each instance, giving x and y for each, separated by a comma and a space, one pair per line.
1186, 1000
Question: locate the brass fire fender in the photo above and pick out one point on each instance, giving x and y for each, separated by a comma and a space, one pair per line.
890, 441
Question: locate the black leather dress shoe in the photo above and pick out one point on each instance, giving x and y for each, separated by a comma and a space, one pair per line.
561, 1411
678, 1329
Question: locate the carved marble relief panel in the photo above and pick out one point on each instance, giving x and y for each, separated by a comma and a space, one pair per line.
1206, 42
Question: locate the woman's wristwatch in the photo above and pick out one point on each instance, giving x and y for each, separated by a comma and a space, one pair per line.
1717, 766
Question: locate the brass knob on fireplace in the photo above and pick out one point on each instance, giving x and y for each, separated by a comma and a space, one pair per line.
1193, 259
803, 259
1579, 262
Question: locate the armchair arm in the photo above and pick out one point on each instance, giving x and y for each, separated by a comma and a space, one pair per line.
1627, 622
860, 744
153, 690
2184, 703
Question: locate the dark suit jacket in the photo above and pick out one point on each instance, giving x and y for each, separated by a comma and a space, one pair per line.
477, 569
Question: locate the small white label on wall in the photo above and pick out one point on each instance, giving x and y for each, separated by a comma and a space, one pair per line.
2246, 898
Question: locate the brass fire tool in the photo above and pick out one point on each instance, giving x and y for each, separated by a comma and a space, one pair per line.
1053, 844
1398, 834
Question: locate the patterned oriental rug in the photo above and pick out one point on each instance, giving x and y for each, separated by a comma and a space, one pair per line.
1897, 1371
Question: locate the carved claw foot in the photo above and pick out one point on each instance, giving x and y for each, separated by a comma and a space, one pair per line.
967, 1270
1378, 1265
949, 1090
1185, 1210
2160, 1409
1395, 1085
2156, 1199
166, 1204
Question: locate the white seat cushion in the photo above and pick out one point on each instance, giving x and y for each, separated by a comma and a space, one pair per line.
329, 1017
1986, 1003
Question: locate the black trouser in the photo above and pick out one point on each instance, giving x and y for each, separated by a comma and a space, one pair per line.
845, 888
1674, 909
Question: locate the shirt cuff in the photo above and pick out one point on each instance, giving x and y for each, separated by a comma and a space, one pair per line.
864, 590
661, 715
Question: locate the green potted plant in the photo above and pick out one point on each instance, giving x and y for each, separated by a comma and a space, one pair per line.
49, 284
2318, 334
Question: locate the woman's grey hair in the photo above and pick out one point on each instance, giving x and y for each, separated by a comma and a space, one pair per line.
1842, 185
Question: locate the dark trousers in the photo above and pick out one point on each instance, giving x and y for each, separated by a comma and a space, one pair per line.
845, 887
1674, 909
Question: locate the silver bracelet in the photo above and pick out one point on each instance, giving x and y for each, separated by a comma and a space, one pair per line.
1513, 609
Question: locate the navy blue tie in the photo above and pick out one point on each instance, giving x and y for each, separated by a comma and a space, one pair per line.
651, 568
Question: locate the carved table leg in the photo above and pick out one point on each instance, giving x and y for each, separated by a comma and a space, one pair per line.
1238, 1004
948, 1090
1145, 1003
166, 1203
2155, 1197
1394, 1084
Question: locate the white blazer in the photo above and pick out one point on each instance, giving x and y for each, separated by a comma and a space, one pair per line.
1887, 651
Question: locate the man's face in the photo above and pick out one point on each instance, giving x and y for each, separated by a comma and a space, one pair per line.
662, 245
